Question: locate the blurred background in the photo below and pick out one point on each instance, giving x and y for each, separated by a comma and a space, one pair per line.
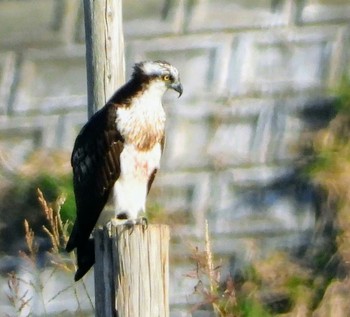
257, 146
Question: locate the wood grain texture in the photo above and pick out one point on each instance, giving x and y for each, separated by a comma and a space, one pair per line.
138, 261
104, 273
105, 62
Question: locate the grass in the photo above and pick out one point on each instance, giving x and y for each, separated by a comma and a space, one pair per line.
56, 231
222, 295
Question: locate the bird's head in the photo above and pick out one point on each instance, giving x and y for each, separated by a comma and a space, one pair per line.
160, 74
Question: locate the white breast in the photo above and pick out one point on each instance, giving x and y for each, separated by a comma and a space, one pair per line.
142, 124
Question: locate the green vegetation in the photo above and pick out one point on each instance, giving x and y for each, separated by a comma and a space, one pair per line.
19, 198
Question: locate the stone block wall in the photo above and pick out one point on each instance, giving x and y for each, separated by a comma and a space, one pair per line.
251, 71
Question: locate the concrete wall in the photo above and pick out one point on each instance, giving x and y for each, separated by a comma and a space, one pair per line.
256, 75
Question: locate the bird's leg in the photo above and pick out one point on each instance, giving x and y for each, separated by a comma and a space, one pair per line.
117, 220
122, 219
131, 223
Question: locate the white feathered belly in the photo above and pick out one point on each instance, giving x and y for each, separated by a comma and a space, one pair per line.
130, 190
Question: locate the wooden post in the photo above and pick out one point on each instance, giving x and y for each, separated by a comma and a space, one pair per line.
105, 62
132, 266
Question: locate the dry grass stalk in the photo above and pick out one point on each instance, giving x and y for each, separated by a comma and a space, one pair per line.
31, 244
209, 258
221, 298
18, 300
56, 229
214, 275
35, 283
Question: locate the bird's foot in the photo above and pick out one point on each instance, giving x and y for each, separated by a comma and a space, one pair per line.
131, 223
128, 223
143, 221
114, 222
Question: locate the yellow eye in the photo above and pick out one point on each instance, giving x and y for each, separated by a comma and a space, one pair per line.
166, 77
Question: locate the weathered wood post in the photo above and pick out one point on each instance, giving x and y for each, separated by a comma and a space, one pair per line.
131, 266
105, 62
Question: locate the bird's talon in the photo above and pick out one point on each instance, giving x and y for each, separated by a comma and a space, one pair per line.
131, 226
128, 223
144, 223
114, 222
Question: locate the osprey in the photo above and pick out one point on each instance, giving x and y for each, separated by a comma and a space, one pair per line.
117, 153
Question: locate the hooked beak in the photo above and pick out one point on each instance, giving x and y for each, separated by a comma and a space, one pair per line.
177, 87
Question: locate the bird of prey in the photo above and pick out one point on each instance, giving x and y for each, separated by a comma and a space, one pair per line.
117, 154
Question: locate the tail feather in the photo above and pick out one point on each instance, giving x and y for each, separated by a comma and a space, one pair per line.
86, 258
85, 252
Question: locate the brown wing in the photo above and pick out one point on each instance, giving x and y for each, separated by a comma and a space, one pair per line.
96, 167
154, 173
